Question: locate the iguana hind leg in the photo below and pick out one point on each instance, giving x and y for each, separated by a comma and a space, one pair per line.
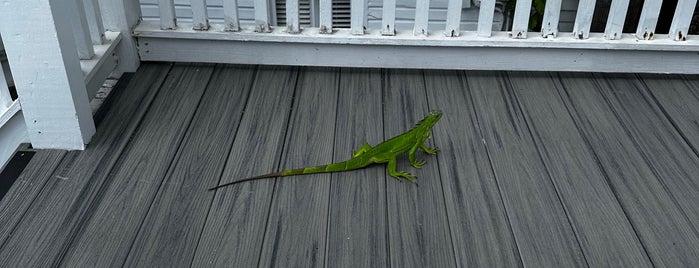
399, 174
429, 150
366, 147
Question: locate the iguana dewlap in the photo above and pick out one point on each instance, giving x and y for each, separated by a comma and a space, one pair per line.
385, 152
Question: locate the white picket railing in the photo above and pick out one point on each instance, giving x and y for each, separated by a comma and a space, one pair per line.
68, 47
59, 54
451, 48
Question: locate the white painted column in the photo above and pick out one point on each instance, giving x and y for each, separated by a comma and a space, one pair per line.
230, 16
485, 18
388, 20
648, 19
326, 16
75, 10
47, 73
122, 16
453, 18
583, 20
200, 16
422, 10
680, 22
94, 21
615, 20
358, 10
552, 14
168, 21
292, 17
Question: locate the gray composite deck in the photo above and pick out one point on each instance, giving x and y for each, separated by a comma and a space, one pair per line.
535, 169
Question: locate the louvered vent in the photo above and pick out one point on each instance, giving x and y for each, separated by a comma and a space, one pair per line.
304, 12
341, 13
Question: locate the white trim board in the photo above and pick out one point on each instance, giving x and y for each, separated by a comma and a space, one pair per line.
426, 57
469, 39
102, 64
12, 134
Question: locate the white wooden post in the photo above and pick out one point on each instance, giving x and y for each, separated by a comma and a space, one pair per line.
681, 20
5, 98
453, 18
358, 10
230, 16
199, 15
326, 17
648, 19
122, 16
485, 18
94, 21
388, 22
552, 14
583, 20
47, 73
81, 31
292, 17
168, 21
520, 23
615, 20
422, 10
262, 20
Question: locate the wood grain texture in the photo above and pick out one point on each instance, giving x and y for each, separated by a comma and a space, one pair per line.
674, 161
419, 233
298, 218
605, 234
55, 215
546, 239
678, 97
480, 230
118, 212
26, 188
357, 226
663, 228
168, 236
235, 227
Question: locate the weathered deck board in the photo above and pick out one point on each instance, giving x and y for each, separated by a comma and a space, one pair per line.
544, 240
535, 170
51, 221
109, 231
678, 97
480, 230
674, 162
666, 233
418, 228
235, 227
357, 224
298, 217
168, 236
605, 234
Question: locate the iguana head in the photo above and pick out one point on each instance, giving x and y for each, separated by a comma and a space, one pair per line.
430, 119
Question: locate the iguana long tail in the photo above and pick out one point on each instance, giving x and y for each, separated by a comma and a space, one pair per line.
335, 167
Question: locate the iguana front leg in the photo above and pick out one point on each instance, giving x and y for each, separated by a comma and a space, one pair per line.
366, 147
399, 174
429, 150
411, 156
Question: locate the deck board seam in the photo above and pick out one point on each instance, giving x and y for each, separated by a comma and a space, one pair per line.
441, 179
103, 185
228, 155
534, 137
327, 221
570, 106
297, 71
644, 155
479, 126
173, 160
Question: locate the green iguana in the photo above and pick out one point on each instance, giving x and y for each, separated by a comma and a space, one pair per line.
385, 152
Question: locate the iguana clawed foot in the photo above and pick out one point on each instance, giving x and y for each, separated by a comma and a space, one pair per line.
405, 175
429, 150
417, 164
